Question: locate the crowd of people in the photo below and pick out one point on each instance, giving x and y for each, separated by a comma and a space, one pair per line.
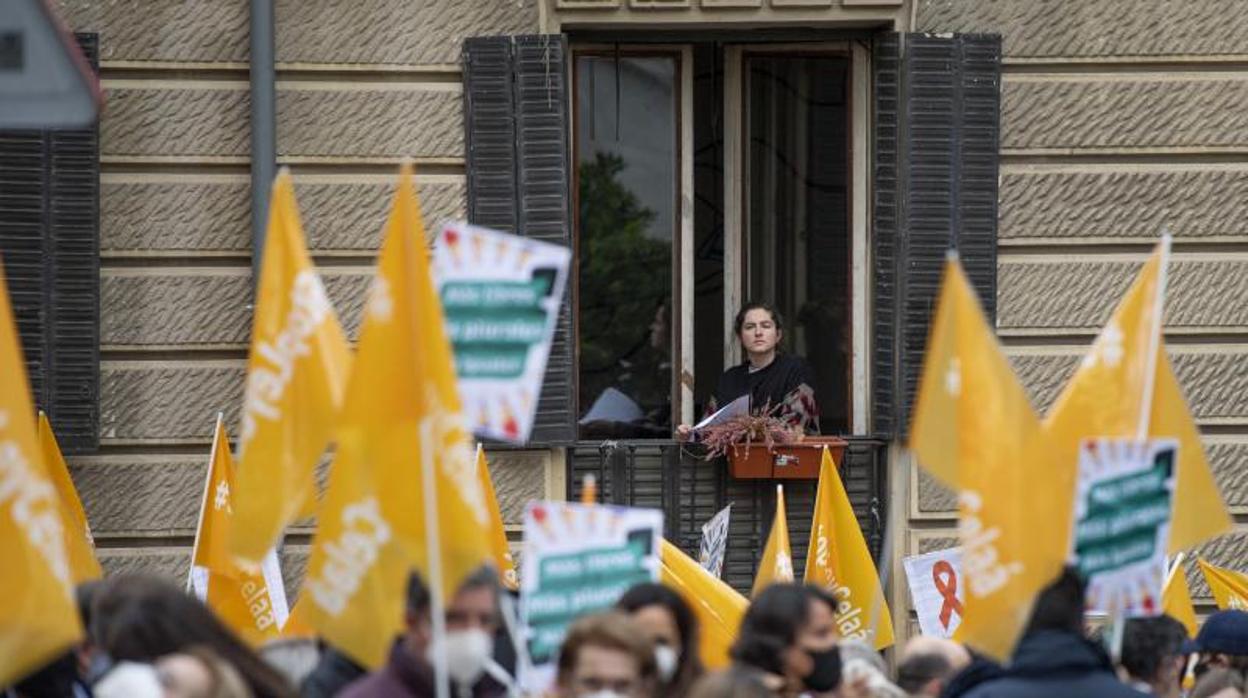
147, 638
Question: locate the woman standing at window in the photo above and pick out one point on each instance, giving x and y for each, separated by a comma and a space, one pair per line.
774, 380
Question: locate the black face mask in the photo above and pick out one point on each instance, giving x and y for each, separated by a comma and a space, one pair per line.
827, 672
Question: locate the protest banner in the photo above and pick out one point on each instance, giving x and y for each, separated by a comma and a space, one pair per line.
79, 544
776, 564
1124, 501
578, 559
501, 295
714, 544
935, 589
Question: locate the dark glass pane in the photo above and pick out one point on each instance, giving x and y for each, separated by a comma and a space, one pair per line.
708, 223
627, 163
797, 213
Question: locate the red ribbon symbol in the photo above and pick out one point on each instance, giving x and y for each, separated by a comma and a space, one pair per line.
946, 580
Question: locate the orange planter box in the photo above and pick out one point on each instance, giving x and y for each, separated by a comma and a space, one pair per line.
799, 461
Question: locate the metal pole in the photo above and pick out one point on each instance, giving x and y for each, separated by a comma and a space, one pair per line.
263, 125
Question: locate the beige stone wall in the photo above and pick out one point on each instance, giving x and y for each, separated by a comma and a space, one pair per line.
1119, 117
361, 85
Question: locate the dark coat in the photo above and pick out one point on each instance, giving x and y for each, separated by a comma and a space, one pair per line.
403, 677
333, 671
1053, 664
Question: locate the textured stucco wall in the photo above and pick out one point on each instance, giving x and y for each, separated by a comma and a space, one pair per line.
361, 85
1120, 117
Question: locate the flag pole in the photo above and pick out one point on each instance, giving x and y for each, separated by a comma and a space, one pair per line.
203, 503
434, 544
1154, 338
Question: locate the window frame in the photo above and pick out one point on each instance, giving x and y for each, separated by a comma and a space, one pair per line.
736, 211
680, 322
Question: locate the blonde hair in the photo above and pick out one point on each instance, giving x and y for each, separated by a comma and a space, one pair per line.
227, 682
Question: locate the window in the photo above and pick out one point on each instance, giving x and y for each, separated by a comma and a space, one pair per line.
627, 204
779, 233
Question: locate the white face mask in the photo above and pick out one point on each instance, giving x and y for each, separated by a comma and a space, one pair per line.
667, 661
466, 654
605, 693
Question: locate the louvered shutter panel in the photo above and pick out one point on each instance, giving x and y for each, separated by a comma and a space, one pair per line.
49, 239
937, 125
518, 160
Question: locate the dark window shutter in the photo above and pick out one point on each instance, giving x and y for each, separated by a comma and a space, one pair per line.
49, 239
516, 138
937, 123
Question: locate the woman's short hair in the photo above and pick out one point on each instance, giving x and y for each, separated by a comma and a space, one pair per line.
757, 305
771, 625
610, 630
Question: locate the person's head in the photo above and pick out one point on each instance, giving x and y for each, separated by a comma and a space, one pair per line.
199, 673
1059, 606
790, 630
864, 669
1152, 653
1223, 642
759, 328
671, 626
1219, 683
606, 654
731, 683
926, 663
141, 618
471, 620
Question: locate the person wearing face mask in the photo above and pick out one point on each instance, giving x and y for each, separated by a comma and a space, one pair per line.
606, 655
670, 624
789, 637
472, 618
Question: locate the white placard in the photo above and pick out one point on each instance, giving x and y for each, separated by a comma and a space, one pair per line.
936, 587
1124, 501
715, 542
578, 559
501, 295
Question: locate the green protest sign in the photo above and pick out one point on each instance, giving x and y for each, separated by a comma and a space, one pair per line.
1123, 507
501, 295
578, 559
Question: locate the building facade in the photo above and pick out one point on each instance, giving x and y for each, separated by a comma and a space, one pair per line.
694, 153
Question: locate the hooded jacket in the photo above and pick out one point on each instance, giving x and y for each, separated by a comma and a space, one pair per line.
1051, 663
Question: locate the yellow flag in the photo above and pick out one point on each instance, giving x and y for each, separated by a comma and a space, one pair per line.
296, 378
839, 562
1176, 599
251, 604
401, 428
777, 562
975, 430
38, 613
498, 535
79, 544
1126, 388
1230, 588
717, 606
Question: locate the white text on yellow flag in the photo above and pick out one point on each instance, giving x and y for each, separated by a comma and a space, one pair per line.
296, 378
38, 614
839, 562
975, 430
401, 437
252, 604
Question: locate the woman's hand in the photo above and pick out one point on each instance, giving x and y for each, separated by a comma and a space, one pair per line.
683, 432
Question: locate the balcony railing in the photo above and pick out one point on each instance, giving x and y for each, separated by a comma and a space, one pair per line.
677, 479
